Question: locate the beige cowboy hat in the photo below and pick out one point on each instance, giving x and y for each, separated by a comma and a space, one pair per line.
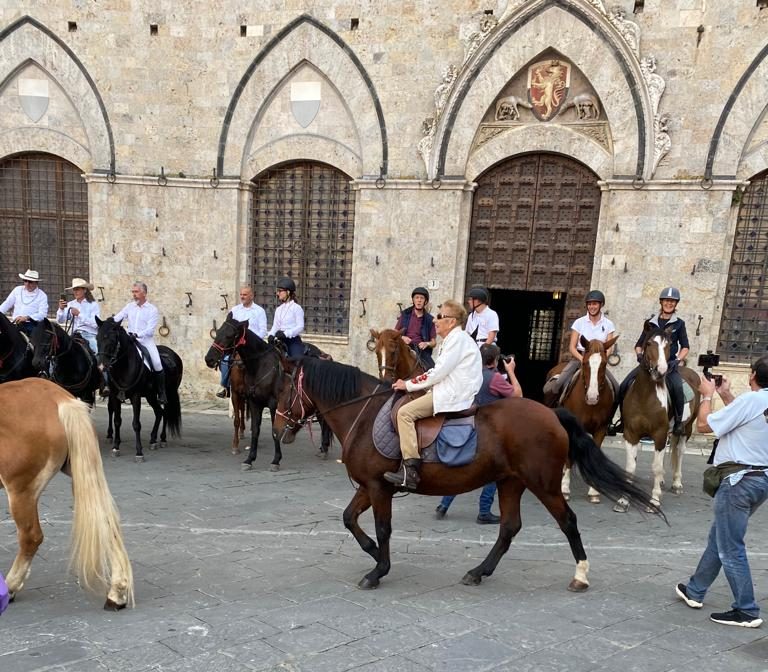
79, 282
32, 276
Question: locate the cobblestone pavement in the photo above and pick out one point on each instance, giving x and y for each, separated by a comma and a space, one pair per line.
240, 571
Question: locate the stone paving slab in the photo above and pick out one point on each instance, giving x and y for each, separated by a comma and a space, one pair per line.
241, 571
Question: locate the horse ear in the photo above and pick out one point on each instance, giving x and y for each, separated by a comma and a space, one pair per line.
99, 321
401, 332
374, 335
609, 343
648, 326
584, 342
229, 315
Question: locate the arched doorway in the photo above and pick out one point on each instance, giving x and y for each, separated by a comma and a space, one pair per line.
744, 325
303, 226
43, 222
532, 243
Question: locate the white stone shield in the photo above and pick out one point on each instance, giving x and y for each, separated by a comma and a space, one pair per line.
33, 97
305, 102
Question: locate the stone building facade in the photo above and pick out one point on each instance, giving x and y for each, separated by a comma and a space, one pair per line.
538, 147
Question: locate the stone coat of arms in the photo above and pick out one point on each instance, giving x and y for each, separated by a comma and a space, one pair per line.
548, 84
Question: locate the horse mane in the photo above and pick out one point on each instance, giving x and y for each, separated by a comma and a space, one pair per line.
331, 381
7, 328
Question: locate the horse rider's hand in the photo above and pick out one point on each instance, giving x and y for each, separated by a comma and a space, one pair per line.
280, 334
399, 385
74, 311
21, 318
706, 386
639, 357
406, 340
423, 345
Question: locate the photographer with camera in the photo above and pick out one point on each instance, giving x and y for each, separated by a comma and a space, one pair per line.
742, 460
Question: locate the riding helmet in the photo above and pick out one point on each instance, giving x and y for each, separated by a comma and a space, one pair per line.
670, 293
287, 284
595, 295
420, 290
479, 293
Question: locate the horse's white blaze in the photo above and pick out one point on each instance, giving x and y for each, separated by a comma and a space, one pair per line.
662, 362
592, 389
582, 569
383, 365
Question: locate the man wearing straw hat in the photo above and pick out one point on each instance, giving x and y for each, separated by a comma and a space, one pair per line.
29, 302
81, 312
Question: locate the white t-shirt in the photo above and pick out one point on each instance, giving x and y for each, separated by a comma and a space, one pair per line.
590, 331
485, 322
742, 430
257, 318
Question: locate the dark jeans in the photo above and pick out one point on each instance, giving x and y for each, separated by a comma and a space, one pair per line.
674, 385
486, 499
224, 370
294, 347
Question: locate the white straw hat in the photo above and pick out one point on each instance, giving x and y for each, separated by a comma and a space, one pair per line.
80, 282
32, 276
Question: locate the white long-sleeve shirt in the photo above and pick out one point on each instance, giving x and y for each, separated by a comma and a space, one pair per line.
142, 319
26, 304
289, 318
86, 320
257, 318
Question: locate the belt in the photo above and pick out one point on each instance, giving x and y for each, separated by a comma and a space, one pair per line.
754, 467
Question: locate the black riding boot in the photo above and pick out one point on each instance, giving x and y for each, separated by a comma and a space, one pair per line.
407, 476
160, 387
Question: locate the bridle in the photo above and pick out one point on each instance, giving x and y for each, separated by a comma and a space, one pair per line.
417, 362
54, 354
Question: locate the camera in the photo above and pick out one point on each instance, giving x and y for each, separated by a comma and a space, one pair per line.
709, 361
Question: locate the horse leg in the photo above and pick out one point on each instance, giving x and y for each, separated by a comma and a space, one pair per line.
381, 500
658, 472
360, 503
110, 415
159, 415
565, 484
23, 506
256, 411
278, 456
239, 421
136, 403
325, 439
678, 444
593, 496
622, 505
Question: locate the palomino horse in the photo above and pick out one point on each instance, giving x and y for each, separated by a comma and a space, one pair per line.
521, 445
591, 399
15, 353
130, 377
396, 359
647, 411
58, 435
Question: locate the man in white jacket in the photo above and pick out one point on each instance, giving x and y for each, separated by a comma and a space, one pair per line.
451, 386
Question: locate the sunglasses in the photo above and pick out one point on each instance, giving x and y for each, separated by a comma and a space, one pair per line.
440, 316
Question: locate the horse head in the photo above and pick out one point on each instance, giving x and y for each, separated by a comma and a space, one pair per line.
593, 366
46, 343
111, 339
228, 336
656, 342
396, 360
293, 405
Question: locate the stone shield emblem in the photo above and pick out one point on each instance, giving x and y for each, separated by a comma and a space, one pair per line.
33, 97
548, 84
305, 102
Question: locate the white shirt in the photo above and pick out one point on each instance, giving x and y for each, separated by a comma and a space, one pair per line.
485, 322
289, 318
591, 331
142, 320
257, 318
26, 304
742, 430
457, 375
84, 322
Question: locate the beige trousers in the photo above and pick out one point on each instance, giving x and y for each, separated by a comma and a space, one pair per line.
406, 424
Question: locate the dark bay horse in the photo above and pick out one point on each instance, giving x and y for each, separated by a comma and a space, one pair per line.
15, 353
130, 377
61, 437
396, 359
591, 398
647, 411
263, 376
521, 445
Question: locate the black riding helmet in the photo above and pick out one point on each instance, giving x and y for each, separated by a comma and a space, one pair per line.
420, 290
479, 293
287, 284
595, 295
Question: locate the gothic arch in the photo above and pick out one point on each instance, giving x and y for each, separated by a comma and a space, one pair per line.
304, 40
593, 46
27, 40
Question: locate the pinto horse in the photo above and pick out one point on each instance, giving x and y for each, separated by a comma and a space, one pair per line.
130, 377
61, 438
521, 445
591, 398
396, 359
647, 411
15, 353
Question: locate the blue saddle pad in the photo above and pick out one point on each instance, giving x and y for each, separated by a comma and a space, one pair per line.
457, 444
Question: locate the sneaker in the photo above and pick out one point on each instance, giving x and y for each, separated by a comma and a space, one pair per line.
223, 393
736, 617
440, 512
682, 592
488, 519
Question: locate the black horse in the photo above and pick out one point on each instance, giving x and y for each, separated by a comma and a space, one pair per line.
67, 361
263, 379
130, 379
15, 353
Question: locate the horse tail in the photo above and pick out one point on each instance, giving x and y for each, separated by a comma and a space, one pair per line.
98, 554
173, 411
597, 470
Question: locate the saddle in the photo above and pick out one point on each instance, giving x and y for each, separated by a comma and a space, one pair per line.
427, 429
144, 354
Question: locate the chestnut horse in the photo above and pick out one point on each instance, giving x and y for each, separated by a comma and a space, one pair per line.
58, 435
591, 398
647, 411
397, 360
521, 445
238, 398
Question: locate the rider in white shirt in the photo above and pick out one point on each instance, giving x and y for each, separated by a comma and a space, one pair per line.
29, 302
288, 322
483, 321
81, 312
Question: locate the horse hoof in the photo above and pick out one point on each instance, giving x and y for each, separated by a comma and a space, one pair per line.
109, 435
677, 489
115, 452
163, 444
322, 455
620, 508
470, 579
246, 467
138, 458
11, 597
274, 467
153, 446
109, 605
368, 584
576, 586
593, 499
236, 451
567, 496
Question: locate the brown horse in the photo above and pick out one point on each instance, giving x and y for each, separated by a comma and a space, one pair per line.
591, 398
396, 359
58, 435
647, 411
238, 400
521, 445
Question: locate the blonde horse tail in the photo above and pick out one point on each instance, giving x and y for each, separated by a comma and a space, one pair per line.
98, 556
